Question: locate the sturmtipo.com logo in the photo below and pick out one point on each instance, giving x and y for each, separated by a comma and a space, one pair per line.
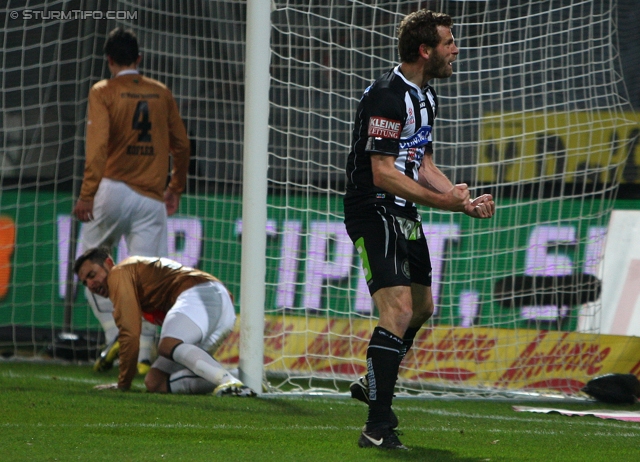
72, 14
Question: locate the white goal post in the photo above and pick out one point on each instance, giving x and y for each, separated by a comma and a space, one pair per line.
535, 113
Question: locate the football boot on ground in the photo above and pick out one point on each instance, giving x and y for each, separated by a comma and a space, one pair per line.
360, 391
107, 357
234, 389
144, 366
382, 438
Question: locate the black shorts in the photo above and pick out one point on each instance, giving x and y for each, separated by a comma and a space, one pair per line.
393, 249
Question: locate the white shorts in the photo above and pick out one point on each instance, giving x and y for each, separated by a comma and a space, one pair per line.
210, 308
120, 211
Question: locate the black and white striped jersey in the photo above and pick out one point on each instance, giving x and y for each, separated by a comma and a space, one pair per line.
394, 117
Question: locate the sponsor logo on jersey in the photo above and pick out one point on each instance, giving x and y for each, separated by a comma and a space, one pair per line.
411, 120
384, 128
420, 138
405, 269
415, 155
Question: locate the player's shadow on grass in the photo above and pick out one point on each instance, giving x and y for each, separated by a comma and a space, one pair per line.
432, 455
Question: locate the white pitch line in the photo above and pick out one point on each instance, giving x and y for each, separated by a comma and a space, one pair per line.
338, 402
87, 381
609, 423
297, 428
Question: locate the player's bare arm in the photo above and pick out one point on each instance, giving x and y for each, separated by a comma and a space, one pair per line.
387, 177
432, 178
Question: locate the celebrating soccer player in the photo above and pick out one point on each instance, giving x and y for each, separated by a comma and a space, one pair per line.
389, 170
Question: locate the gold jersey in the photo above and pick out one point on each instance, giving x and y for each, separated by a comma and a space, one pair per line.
133, 125
145, 287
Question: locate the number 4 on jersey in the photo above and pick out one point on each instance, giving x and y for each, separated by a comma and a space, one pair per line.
141, 122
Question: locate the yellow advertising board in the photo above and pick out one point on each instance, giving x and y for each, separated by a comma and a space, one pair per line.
578, 146
455, 356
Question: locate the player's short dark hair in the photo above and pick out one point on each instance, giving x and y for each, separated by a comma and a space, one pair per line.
417, 28
96, 255
122, 46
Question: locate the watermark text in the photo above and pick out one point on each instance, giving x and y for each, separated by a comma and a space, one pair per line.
73, 14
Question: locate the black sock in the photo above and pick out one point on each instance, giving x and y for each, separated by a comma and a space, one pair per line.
382, 372
407, 341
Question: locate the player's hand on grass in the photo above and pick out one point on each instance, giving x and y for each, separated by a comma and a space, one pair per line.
481, 207
106, 386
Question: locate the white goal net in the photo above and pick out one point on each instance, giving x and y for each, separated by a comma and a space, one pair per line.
535, 114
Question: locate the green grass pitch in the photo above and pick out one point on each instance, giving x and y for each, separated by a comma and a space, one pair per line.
51, 412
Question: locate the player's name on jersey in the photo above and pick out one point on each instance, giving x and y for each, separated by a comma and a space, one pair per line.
135, 150
128, 94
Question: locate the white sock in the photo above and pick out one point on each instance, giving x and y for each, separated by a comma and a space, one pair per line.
103, 311
147, 341
187, 383
201, 363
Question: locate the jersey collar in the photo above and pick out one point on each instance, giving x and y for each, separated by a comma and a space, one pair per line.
127, 72
397, 71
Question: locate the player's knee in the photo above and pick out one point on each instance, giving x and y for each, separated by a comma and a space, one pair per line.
404, 313
422, 312
166, 346
428, 310
156, 381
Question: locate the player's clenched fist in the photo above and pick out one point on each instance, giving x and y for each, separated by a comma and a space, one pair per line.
481, 207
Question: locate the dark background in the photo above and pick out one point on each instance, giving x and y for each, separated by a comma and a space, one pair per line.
197, 49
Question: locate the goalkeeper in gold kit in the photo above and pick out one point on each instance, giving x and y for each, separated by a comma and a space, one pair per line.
194, 309
133, 126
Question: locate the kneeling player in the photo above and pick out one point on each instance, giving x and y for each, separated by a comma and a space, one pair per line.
193, 307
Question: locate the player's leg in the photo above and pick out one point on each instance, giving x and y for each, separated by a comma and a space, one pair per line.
384, 350
422, 305
383, 362
147, 341
187, 334
188, 383
105, 229
146, 237
221, 320
102, 309
381, 243
166, 376
421, 296
178, 340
